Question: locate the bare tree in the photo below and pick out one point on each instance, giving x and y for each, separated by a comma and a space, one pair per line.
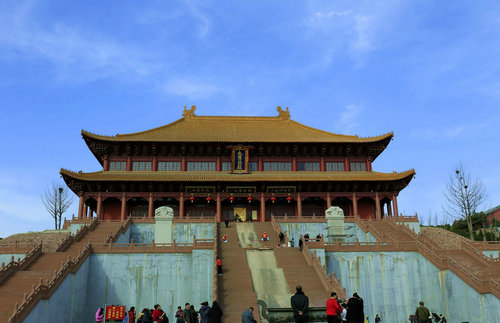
57, 199
464, 193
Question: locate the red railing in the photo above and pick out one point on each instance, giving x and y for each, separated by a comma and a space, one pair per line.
78, 235
330, 282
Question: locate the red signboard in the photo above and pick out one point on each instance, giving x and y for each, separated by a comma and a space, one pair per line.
115, 312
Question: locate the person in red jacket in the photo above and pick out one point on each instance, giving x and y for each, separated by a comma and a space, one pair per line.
131, 314
333, 309
158, 313
219, 266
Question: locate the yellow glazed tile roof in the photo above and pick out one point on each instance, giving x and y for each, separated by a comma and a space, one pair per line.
193, 128
192, 176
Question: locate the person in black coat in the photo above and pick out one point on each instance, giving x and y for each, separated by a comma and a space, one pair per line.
355, 311
215, 313
300, 306
146, 316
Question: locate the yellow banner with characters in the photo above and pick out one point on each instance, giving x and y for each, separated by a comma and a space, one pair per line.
240, 213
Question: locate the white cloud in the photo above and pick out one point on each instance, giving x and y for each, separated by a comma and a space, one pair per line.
191, 89
74, 54
348, 119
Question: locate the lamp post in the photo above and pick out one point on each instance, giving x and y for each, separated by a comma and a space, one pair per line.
60, 207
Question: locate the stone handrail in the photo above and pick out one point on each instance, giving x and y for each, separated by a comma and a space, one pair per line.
78, 235
304, 219
7, 270
153, 247
466, 246
277, 228
330, 282
112, 237
215, 289
15, 247
45, 289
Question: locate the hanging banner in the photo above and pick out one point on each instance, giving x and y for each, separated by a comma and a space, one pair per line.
239, 160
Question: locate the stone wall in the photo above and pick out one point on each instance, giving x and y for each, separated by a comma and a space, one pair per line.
183, 232
352, 231
392, 284
142, 280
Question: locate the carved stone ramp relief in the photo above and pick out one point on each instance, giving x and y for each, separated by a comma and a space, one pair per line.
247, 236
269, 281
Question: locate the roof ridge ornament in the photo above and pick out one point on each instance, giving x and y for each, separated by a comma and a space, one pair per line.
189, 114
283, 114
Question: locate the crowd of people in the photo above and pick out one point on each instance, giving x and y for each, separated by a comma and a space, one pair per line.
205, 314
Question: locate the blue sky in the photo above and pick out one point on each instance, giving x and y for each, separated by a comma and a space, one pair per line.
427, 70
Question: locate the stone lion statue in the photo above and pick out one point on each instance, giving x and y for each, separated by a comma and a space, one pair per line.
334, 212
164, 211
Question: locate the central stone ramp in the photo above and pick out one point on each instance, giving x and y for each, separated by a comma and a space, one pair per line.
268, 279
12, 291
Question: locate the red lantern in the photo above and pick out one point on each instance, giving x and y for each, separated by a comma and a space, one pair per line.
209, 199
231, 199
191, 198
250, 199
273, 199
289, 198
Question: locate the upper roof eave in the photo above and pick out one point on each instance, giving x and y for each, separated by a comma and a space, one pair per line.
193, 128
193, 176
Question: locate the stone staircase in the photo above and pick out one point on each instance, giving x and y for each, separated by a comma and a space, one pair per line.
236, 292
467, 262
20, 284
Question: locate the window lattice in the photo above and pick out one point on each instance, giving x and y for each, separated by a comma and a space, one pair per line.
141, 166
358, 166
201, 166
335, 166
169, 166
121, 165
308, 166
277, 166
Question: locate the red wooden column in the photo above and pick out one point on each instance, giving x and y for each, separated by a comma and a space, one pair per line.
124, 205
218, 164
99, 206
299, 205
80, 206
260, 165
328, 200
395, 204
218, 208
183, 164
154, 167
86, 211
129, 164
262, 207
181, 205
150, 206
106, 163
377, 205
354, 204
389, 209
347, 166
322, 164
294, 164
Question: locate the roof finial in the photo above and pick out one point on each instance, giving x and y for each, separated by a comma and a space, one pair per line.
283, 114
189, 114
